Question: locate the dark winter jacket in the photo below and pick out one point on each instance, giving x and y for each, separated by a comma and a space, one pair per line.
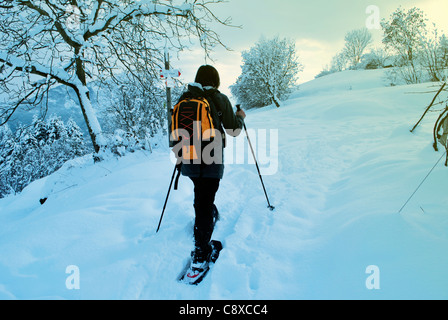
224, 118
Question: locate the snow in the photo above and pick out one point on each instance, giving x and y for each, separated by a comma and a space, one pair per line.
346, 164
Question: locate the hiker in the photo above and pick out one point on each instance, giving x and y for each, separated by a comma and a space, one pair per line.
206, 177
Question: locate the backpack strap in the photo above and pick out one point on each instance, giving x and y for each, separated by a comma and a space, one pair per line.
217, 108
209, 97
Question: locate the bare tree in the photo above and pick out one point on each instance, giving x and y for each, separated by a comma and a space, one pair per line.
44, 43
356, 42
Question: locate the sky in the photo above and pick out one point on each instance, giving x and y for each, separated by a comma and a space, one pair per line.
318, 27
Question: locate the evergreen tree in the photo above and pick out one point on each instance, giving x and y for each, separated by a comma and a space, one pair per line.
6, 148
36, 151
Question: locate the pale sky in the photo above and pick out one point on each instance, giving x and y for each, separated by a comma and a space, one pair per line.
317, 26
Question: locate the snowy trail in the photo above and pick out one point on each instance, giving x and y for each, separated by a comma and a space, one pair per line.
346, 163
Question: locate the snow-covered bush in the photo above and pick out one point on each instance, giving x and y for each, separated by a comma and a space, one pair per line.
375, 59
269, 73
121, 142
339, 63
36, 151
353, 55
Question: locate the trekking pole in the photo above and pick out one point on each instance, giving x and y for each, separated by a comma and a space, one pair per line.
176, 168
270, 207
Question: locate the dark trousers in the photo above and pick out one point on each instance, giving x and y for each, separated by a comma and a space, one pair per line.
204, 197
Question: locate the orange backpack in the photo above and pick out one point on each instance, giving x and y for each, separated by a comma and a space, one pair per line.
192, 125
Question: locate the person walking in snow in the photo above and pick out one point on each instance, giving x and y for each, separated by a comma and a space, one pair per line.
206, 177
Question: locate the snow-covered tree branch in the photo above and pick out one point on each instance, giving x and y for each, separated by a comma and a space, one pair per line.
70, 42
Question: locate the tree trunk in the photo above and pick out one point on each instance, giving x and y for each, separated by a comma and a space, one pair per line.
90, 118
277, 104
274, 98
88, 112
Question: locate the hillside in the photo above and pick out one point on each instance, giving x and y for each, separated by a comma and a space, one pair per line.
345, 164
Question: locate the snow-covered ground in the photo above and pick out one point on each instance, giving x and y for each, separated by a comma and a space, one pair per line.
346, 164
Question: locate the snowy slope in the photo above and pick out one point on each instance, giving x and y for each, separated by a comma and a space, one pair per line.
346, 164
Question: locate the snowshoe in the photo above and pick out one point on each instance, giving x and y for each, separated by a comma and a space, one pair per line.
196, 270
